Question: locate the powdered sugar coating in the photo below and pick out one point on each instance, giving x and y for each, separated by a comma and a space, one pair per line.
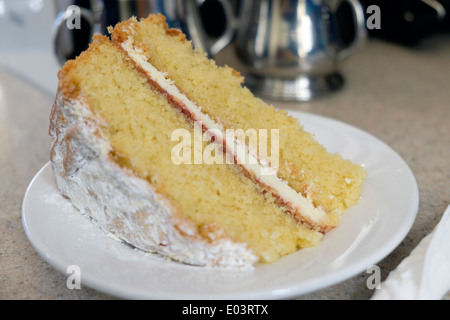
120, 202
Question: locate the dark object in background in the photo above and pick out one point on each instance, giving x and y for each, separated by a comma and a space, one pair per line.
213, 18
409, 21
80, 37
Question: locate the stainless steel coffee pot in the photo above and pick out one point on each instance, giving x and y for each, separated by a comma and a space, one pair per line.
289, 49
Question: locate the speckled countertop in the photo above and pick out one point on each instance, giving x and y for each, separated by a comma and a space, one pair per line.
399, 95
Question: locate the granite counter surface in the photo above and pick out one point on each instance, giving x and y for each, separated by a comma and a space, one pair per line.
399, 95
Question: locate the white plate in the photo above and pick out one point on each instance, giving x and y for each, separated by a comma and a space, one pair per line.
368, 232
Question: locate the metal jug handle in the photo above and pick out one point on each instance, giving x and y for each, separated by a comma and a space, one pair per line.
198, 34
60, 22
360, 28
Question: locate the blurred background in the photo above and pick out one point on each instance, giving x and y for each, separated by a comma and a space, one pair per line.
255, 37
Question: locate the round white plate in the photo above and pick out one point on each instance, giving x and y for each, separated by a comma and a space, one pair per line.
368, 232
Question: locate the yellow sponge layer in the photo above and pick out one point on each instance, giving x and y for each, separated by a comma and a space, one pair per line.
329, 180
139, 123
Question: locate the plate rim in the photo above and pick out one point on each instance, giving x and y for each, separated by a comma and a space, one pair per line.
307, 286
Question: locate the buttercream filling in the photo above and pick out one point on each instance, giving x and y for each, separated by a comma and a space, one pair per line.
259, 169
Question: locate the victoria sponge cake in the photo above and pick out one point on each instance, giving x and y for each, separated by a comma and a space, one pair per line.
162, 148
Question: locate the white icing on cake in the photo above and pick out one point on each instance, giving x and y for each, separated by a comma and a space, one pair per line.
121, 203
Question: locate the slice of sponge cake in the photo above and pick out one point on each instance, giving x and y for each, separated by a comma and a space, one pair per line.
114, 122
